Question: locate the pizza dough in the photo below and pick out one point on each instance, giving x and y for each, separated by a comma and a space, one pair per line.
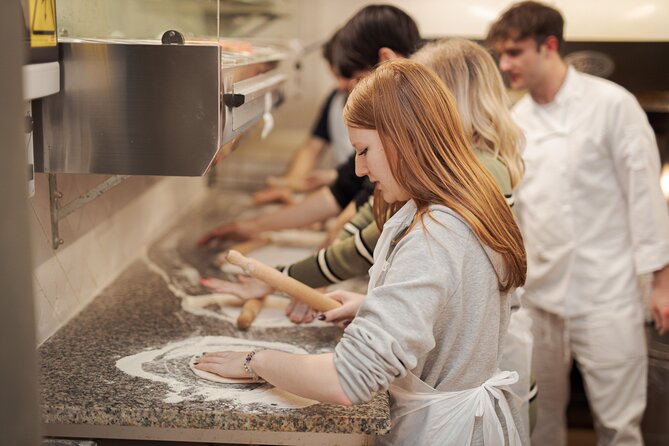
168, 365
217, 378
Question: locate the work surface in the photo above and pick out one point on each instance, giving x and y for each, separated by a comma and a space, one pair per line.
119, 369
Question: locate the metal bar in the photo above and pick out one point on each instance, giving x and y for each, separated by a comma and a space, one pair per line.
58, 213
54, 196
91, 195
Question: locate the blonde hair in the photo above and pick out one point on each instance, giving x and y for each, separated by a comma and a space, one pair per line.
430, 158
470, 73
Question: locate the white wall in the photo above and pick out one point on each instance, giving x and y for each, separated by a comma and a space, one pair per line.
101, 239
585, 19
635, 20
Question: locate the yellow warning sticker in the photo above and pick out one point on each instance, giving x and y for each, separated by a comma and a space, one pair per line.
42, 23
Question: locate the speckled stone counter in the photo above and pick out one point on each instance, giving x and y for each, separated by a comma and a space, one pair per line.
84, 394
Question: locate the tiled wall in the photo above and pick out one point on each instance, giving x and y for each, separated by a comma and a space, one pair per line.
100, 239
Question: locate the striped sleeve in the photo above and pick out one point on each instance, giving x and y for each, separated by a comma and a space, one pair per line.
360, 220
344, 259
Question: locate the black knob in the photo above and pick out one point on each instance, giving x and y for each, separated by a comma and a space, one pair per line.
172, 37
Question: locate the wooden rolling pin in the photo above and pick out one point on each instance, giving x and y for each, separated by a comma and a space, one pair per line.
281, 282
244, 248
250, 310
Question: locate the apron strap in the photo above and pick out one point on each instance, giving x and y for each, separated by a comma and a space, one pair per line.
492, 428
412, 394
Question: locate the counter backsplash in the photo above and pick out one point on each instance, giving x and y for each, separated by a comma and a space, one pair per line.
100, 239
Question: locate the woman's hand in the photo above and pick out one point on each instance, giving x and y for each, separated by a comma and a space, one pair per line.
225, 364
246, 288
350, 303
238, 231
299, 312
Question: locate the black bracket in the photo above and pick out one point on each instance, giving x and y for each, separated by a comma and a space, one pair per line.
234, 100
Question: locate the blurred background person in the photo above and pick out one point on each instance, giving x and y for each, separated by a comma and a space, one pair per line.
593, 218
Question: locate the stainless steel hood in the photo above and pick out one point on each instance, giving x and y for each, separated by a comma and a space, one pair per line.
145, 108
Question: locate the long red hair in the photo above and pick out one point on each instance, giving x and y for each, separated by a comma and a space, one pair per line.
429, 156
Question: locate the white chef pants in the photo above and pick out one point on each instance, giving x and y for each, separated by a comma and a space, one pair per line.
610, 349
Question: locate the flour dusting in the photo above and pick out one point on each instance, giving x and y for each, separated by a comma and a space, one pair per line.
170, 365
227, 307
223, 306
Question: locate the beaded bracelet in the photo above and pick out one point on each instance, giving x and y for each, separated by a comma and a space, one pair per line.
247, 366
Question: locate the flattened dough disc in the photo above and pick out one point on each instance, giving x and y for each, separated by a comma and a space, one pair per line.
217, 378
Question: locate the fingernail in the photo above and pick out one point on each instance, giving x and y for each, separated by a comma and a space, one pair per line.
321, 317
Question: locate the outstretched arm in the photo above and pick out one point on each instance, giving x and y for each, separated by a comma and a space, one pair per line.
317, 206
305, 158
308, 376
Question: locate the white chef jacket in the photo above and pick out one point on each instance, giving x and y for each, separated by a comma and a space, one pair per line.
590, 205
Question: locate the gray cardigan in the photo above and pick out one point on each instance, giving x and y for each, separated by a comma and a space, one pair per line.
437, 310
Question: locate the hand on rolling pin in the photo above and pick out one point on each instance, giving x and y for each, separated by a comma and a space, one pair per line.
225, 364
246, 288
283, 283
238, 231
343, 315
300, 313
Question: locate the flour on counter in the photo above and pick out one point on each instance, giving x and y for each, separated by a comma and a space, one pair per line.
180, 277
170, 365
227, 307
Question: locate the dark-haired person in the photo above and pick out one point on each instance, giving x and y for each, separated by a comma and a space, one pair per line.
388, 33
593, 218
374, 34
328, 131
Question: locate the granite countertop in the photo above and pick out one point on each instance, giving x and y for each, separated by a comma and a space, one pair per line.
141, 313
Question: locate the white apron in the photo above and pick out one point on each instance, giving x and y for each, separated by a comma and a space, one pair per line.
422, 415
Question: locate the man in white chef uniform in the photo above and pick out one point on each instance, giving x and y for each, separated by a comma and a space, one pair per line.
593, 218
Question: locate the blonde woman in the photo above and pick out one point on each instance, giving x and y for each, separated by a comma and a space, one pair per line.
431, 326
472, 76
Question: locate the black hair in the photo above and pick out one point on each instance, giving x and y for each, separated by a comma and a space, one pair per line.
328, 48
370, 29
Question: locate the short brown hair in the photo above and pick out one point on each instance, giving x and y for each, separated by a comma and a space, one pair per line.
526, 20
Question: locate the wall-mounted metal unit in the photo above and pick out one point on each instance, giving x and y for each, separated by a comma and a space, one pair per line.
142, 107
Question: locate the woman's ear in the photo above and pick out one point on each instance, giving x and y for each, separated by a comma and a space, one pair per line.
386, 53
